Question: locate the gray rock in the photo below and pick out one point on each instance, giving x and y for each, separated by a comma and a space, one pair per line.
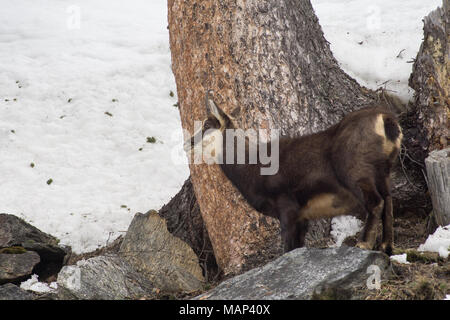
167, 261
10, 291
102, 278
306, 273
15, 267
16, 232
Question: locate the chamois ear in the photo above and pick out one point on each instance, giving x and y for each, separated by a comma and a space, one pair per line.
213, 109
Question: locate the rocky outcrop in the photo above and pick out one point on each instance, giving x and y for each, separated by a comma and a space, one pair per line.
16, 267
102, 278
308, 273
15, 232
150, 260
10, 291
25, 250
167, 261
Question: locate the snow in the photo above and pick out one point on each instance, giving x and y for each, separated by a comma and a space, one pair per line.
438, 242
400, 258
33, 284
84, 83
373, 40
120, 51
343, 227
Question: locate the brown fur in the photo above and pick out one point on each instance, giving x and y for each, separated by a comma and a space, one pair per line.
342, 169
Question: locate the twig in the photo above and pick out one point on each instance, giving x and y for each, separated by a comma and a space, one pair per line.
399, 54
410, 158
401, 158
384, 83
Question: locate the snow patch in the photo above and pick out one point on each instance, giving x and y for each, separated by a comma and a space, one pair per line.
343, 227
400, 258
78, 99
34, 285
374, 41
438, 242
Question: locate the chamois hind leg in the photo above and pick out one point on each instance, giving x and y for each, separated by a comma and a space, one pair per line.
289, 209
387, 217
374, 205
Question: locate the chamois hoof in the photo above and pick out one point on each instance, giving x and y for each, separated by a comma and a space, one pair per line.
387, 248
364, 245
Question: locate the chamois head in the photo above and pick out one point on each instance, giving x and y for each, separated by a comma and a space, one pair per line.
210, 133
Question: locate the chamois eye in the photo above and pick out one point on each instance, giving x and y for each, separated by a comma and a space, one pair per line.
207, 125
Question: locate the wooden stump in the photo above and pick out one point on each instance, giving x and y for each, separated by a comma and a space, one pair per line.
438, 172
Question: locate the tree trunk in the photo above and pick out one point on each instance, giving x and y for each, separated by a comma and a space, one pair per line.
431, 81
269, 66
426, 128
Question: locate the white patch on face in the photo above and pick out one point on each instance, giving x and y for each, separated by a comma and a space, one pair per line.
212, 145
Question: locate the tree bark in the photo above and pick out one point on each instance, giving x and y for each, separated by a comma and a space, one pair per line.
431, 81
269, 66
426, 127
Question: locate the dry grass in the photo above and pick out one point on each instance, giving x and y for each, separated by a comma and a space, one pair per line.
415, 281
427, 277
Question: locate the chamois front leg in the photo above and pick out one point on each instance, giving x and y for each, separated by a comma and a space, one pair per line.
291, 230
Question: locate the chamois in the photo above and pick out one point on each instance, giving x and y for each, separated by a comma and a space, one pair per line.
342, 169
